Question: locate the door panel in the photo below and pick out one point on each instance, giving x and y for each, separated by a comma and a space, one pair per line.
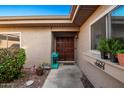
65, 47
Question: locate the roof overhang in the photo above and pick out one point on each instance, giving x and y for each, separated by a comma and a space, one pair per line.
79, 14
83, 13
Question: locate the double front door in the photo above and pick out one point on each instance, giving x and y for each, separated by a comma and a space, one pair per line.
65, 48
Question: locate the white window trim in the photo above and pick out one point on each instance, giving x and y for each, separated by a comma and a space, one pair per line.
95, 52
103, 14
13, 33
95, 20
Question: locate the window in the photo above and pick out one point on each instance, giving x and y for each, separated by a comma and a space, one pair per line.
9, 40
98, 29
111, 25
117, 20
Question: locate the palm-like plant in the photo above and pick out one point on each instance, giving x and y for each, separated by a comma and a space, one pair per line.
103, 45
114, 44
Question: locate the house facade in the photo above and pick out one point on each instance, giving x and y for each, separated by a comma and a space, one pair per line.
72, 37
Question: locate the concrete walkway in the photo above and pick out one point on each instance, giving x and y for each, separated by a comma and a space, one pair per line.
67, 76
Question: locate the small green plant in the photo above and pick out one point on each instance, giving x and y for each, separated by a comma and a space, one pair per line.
120, 51
114, 44
103, 45
11, 64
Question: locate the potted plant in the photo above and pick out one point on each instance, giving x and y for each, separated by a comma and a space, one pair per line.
103, 48
39, 70
120, 56
114, 44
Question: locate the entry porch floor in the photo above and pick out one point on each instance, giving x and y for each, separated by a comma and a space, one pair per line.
66, 76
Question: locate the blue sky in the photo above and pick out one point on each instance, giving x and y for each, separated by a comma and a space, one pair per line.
119, 11
34, 10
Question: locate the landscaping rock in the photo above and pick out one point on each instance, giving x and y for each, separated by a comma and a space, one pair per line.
30, 82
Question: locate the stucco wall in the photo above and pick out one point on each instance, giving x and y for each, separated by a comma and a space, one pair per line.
36, 41
97, 77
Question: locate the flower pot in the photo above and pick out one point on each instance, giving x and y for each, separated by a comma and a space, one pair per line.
113, 58
121, 59
104, 55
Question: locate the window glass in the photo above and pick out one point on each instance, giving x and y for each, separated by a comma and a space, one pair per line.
117, 20
98, 29
3, 41
9, 40
114, 23
119, 11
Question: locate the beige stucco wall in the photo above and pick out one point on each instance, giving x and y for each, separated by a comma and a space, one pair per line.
36, 41
97, 77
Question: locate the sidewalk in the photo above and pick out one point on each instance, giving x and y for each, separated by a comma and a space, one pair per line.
67, 76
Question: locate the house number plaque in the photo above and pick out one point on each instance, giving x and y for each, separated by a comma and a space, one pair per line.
100, 64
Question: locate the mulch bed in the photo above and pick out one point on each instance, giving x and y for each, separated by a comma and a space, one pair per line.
27, 76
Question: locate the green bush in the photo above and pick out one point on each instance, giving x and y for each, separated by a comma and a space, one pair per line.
120, 51
11, 63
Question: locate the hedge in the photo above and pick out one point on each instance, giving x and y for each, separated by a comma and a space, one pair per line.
11, 63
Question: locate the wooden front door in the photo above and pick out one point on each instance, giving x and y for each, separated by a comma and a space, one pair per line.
65, 48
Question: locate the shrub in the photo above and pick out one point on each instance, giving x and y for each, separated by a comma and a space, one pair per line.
11, 63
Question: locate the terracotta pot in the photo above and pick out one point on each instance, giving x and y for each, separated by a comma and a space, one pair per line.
121, 59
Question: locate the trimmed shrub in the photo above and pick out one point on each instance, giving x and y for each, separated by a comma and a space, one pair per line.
11, 63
